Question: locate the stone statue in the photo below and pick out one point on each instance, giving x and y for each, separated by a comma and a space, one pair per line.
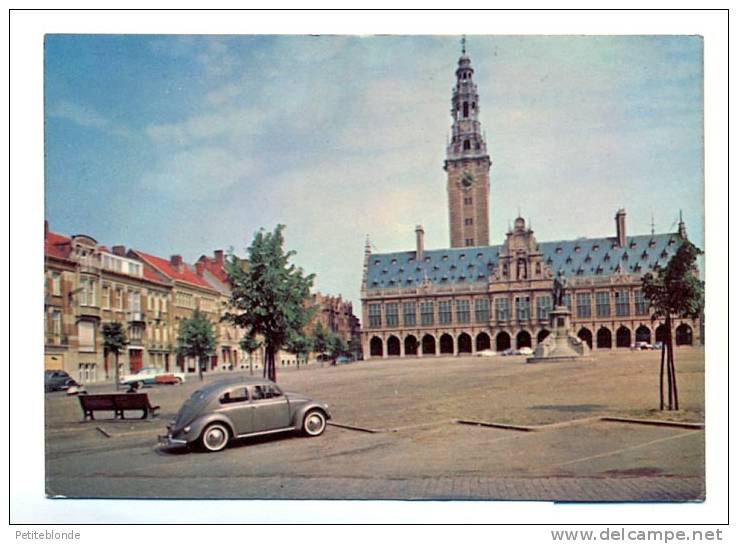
558, 292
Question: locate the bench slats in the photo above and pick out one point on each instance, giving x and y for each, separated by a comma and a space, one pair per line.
118, 403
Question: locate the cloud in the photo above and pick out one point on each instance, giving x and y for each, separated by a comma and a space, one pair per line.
85, 116
229, 122
199, 173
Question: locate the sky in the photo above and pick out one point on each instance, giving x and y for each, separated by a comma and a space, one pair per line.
187, 144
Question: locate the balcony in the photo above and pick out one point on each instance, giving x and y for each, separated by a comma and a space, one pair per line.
57, 340
88, 311
136, 317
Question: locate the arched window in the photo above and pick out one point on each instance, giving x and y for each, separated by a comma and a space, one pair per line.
466, 110
467, 145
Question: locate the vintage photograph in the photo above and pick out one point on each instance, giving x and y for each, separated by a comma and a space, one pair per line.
387, 267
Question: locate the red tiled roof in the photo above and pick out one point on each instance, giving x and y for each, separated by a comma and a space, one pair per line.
166, 268
56, 245
212, 266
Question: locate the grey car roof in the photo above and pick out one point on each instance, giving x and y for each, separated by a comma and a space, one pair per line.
229, 382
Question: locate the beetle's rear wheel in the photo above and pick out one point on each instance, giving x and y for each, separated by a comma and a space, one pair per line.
215, 437
314, 423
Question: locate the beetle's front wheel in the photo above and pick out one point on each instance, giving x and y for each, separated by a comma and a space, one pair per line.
314, 423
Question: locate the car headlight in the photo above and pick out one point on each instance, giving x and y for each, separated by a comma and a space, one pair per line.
187, 429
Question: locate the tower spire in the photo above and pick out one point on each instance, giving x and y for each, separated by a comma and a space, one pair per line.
467, 162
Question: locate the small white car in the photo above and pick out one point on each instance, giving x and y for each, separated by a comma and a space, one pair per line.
487, 353
152, 375
525, 351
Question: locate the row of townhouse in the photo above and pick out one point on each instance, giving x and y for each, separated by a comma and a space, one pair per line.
87, 285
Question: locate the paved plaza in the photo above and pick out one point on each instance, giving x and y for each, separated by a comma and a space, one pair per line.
398, 435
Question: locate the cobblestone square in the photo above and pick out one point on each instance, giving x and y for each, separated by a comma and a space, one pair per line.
411, 445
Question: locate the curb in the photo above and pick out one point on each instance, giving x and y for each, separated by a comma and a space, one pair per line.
656, 422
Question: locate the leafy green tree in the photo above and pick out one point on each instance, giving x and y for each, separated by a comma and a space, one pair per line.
114, 341
249, 343
338, 346
322, 340
268, 296
196, 338
674, 291
354, 346
299, 344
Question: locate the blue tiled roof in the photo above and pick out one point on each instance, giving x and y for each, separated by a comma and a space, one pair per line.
580, 257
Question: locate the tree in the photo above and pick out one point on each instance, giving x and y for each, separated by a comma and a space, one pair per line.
249, 343
322, 340
674, 291
268, 295
354, 346
114, 341
196, 339
338, 347
299, 344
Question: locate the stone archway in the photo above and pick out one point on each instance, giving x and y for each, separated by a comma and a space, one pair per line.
446, 344
643, 334
622, 337
661, 334
464, 343
375, 347
585, 335
604, 338
429, 345
542, 335
483, 341
523, 340
411, 345
502, 341
393, 346
683, 336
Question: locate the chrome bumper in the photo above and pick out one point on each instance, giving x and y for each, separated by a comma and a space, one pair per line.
169, 442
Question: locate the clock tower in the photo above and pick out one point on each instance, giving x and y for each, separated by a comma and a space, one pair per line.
467, 163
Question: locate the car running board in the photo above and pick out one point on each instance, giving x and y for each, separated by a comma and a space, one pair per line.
271, 431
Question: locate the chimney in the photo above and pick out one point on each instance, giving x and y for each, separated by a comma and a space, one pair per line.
119, 250
176, 261
419, 233
200, 268
219, 256
46, 229
682, 229
620, 227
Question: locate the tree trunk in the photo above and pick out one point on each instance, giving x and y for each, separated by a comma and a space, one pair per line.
661, 378
117, 372
673, 368
199, 367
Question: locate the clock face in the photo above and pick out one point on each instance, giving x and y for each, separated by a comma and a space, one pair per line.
467, 180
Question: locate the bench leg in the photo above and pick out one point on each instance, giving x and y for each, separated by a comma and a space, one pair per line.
145, 414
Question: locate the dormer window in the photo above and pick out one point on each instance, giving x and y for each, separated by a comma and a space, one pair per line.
394, 261
606, 258
644, 255
633, 244
462, 257
596, 247
577, 249
651, 243
558, 251
377, 262
444, 258
427, 259
671, 241
588, 259
568, 260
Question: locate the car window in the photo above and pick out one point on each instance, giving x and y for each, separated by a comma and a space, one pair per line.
238, 394
263, 392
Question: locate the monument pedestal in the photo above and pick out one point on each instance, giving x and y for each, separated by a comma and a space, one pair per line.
561, 345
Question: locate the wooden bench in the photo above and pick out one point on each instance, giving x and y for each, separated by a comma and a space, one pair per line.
118, 403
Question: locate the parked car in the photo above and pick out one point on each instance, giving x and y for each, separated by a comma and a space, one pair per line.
58, 380
241, 407
525, 350
343, 360
658, 345
642, 345
152, 375
487, 353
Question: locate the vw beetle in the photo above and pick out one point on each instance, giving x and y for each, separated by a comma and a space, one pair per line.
242, 407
